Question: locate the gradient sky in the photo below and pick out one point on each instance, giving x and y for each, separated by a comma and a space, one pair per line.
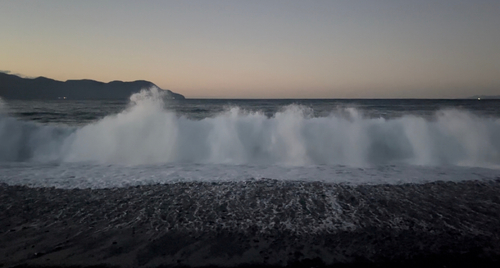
262, 49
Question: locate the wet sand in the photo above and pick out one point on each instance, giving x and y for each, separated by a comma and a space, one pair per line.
253, 223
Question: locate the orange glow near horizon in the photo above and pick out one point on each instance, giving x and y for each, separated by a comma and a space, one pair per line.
286, 49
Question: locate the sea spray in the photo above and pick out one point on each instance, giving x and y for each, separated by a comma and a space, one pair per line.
2, 106
148, 132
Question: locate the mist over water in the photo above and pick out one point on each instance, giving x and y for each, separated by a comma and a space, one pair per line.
148, 132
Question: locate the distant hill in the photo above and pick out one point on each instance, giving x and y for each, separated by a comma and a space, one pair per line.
15, 87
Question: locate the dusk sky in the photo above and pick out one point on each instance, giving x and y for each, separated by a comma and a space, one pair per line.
262, 49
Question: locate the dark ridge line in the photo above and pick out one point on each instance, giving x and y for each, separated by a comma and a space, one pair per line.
15, 87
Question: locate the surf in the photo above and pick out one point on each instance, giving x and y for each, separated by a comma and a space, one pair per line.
148, 132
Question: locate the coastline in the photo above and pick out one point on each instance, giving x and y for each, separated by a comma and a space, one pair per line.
252, 223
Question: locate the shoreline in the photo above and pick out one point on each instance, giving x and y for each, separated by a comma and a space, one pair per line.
265, 223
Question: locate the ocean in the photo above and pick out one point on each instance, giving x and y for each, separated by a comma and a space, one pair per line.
149, 140
152, 182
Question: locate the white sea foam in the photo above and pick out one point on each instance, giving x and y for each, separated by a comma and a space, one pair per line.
85, 175
147, 132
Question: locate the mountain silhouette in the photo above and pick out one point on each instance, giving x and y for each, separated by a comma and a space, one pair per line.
15, 87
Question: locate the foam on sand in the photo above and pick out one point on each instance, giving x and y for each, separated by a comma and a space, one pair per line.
260, 222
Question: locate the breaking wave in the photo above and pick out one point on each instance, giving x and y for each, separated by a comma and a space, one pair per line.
147, 132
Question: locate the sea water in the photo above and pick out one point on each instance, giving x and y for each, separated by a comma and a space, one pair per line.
151, 140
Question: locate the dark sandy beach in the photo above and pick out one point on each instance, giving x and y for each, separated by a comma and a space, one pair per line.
253, 223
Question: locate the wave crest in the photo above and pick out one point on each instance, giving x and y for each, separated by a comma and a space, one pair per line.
148, 132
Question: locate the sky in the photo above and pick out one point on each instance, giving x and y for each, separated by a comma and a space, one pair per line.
262, 49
